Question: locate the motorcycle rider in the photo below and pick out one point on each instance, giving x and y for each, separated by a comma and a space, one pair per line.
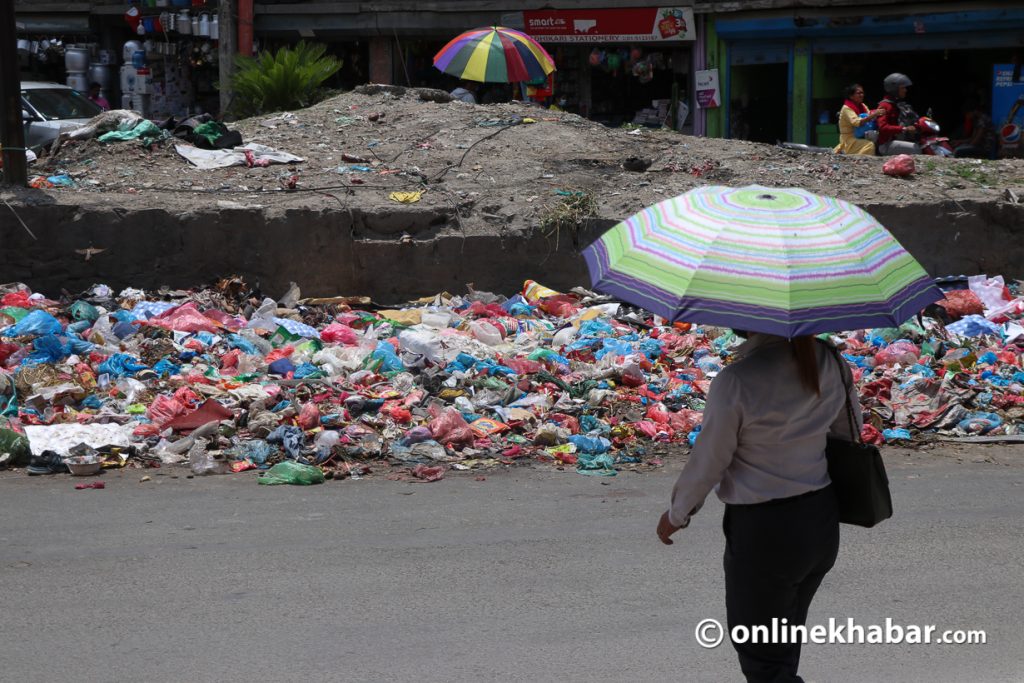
896, 124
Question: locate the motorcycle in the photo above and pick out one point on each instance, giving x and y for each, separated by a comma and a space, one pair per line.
929, 138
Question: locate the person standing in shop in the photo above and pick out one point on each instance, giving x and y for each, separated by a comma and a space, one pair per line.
96, 96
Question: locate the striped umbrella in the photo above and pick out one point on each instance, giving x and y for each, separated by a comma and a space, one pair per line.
780, 261
494, 55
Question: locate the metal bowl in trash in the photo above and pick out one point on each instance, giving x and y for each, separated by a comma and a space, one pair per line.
83, 466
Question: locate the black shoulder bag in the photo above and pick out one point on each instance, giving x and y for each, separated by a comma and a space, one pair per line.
857, 473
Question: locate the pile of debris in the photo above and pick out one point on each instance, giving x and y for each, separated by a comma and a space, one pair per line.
224, 379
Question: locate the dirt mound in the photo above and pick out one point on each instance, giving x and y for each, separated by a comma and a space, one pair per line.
507, 167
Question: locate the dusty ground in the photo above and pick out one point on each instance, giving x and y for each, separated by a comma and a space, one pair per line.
498, 175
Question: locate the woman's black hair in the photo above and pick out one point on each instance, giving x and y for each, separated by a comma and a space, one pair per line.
851, 89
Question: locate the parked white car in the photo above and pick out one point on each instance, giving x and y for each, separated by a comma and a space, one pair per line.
49, 109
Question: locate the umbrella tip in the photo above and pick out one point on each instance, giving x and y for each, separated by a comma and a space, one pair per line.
766, 196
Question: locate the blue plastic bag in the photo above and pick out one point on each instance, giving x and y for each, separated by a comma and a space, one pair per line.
860, 131
389, 360
121, 365
49, 349
980, 423
896, 434
590, 444
35, 323
165, 368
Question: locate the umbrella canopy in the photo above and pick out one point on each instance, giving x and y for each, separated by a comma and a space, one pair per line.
494, 55
779, 261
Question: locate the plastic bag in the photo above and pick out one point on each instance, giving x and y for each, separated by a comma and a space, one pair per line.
289, 472
83, 310
990, 291
35, 323
202, 462
590, 444
339, 334
120, 365
164, 409
961, 302
386, 359
899, 166
184, 318
901, 351
449, 426
980, 423
309, 416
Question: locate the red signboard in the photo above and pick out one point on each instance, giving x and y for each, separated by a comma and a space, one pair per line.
627, 25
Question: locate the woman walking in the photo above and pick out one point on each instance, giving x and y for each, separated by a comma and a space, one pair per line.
763, 445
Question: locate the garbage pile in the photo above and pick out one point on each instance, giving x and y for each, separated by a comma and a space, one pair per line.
224, 380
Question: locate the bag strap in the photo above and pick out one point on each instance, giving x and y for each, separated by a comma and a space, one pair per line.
846, 387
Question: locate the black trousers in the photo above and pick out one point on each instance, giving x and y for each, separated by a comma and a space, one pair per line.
776, 554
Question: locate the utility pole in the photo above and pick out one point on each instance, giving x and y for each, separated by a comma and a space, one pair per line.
227, 48
12, 128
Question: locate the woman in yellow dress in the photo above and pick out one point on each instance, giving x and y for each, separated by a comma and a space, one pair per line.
850, 119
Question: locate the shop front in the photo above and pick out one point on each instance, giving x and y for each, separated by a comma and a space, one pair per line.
783, 77
157, 58
617, 66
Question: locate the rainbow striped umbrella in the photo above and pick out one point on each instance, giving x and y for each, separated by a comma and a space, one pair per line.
780, 261
494, 55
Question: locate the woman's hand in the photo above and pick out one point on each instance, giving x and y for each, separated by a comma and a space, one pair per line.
666, 528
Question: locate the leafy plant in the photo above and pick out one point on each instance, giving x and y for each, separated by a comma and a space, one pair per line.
290, 78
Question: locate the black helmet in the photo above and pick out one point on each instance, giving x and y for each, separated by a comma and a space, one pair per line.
892, 83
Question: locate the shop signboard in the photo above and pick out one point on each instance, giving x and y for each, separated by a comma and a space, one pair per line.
706, 86
625, 25
1008, 107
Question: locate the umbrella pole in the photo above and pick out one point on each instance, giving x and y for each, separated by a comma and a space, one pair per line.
405, 67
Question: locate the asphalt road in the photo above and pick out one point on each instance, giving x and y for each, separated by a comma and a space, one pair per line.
526, 576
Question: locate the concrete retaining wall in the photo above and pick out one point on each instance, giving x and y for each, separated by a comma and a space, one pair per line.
335, 252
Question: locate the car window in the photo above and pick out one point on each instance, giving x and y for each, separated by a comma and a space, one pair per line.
58, 103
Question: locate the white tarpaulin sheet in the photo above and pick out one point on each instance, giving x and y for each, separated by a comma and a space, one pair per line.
63, 437
222, 158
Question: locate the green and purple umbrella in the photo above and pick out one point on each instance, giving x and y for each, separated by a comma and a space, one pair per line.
494, 55
779, 261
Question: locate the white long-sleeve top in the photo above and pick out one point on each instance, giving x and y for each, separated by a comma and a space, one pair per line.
764, 433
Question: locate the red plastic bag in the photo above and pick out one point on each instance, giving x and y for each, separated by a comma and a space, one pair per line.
185, 318
449, 426
309, 416
278, 354
685, 420
6, 350
961, 302
428, 473
561, 306
658, 413
868, 434
899, 166
902, 352
163, 409
340, 334
16, 300
230, 359
523, 366
187, 397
